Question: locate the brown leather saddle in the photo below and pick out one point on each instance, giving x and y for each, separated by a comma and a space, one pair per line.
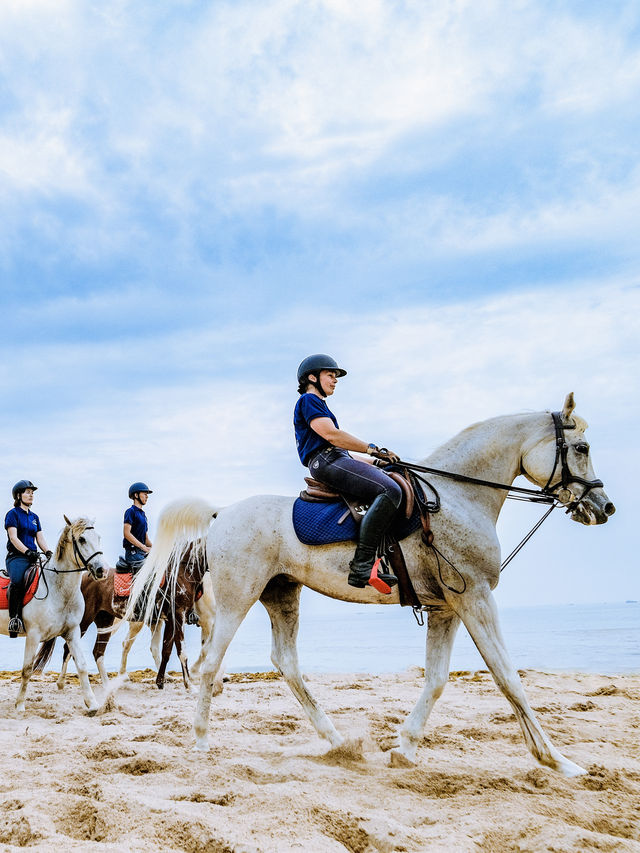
318, 492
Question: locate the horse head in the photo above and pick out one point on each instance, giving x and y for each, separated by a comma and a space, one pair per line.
79, 545
561, 464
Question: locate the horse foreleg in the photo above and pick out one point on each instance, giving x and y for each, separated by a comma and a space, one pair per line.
103, 621
63, 669
30, 649
441, 632
181, 652
480, 616
73, 641
281, 598
132, 633
167, 647
156, 642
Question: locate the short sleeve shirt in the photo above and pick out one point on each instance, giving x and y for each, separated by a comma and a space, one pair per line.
138, 521
27, 525
308, 408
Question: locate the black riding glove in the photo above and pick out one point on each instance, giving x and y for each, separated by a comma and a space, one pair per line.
32, 556
48, 554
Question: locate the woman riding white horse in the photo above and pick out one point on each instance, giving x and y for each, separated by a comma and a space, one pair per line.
24, 534
254, 554
324, 448
57, 606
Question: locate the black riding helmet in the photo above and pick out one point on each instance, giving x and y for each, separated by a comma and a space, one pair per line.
134, 488
314, 364
20, 487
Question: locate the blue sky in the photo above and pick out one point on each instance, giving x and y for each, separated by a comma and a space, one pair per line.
195, 195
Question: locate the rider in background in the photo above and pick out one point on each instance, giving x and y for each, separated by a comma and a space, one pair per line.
24, 534
323, 447
135, 533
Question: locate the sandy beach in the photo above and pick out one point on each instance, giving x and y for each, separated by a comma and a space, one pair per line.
129, 779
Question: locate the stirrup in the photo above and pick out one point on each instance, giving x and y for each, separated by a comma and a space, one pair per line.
192, 618
15, 627
380, 581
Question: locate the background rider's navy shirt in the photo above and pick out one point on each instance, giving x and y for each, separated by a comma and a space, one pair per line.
308, 408
138, 521
27, 525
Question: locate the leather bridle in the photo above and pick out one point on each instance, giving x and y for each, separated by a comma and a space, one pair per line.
81, 561
566, 477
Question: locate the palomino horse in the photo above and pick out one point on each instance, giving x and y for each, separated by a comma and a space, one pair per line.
56, 609
99, 608
253, 553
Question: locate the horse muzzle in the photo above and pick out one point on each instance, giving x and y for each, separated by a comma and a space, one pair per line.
99, 571
594, 508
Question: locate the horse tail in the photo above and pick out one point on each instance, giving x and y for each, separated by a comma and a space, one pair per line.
182, 523
44, 655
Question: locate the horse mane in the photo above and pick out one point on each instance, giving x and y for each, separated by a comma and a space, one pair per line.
76, 527
451, 443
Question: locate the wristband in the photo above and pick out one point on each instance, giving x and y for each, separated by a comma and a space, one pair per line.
372, 448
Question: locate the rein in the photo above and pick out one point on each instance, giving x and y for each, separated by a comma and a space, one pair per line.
545, 495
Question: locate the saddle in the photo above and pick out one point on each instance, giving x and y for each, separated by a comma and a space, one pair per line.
31, 579
389, 549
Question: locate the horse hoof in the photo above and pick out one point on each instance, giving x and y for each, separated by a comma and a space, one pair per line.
60, 685
202, 745
569, 769
92, 711
399, 759
20, 708
160, 685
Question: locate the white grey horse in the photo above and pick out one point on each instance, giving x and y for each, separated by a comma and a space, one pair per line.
254, 554
58, 605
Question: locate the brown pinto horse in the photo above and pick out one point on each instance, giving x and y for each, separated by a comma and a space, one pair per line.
193, 594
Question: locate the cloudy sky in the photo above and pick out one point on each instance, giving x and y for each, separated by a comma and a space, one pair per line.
196, 195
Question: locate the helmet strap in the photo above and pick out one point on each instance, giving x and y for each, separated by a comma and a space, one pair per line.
316, 384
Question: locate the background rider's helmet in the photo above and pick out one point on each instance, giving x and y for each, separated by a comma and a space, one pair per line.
134, 488
20, 487
316, 363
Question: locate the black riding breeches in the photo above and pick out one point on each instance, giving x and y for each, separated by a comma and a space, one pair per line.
359, 479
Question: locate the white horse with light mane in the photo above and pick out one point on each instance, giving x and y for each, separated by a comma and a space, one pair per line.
254, 554
58, 605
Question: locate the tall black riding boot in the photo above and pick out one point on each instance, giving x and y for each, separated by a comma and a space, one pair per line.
377, 519
15, 596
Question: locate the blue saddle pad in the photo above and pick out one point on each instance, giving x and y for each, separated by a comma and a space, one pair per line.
317, 523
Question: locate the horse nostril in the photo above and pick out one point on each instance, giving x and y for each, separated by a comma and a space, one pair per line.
609, 508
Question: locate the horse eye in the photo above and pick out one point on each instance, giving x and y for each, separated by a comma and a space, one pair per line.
582, 448
82, 540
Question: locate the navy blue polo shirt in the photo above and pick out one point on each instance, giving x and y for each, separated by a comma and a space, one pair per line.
27, 525
138, 521
308, 408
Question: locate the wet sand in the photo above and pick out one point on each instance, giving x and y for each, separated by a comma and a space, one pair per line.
128, 779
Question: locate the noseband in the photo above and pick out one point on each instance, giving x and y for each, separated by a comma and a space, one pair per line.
566, 477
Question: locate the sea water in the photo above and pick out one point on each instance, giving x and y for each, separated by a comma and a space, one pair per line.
339, 637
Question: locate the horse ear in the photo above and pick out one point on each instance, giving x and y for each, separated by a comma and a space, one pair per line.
67, 520
569, 406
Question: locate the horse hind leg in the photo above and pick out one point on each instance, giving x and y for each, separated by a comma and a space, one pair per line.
480, 616
63, 669
228, 620
441, 631
281, 598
